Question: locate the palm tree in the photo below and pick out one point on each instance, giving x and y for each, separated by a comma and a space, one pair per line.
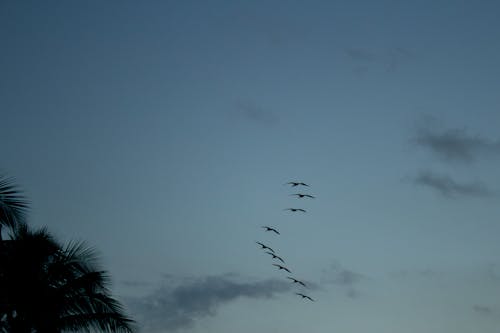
51, 288
47, 287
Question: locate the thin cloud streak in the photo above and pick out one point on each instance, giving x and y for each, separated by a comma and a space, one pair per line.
389, 58
180, 306
360, 54
256, 113
135, 283
448, 187
340, 276
456, 145
482, 309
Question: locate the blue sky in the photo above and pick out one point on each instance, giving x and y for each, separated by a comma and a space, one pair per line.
163, 132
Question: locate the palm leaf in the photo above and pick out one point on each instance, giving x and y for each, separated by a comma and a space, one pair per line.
90, 322
13, 205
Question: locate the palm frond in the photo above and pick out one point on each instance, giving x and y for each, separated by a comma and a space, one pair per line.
52, 287
13, 205
106, 322
98, 311
38, 242
90, 282
80, 254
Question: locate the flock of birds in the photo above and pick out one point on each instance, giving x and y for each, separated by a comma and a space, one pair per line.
271, 252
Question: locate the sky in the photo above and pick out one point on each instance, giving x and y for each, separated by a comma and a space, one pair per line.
163, 134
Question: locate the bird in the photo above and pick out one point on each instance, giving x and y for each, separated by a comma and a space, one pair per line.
296, 184
265, 247
296, 210
282, 267
276, 257
296, 281
300, 195
271, 229
305, 296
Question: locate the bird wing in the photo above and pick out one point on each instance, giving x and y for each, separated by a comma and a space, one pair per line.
265, 246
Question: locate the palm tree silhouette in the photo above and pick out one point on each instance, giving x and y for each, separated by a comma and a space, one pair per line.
49, 287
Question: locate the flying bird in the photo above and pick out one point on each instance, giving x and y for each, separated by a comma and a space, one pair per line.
271, 229
296, 184
265, 247
282, 267
296, 210
305, 296
296, 281
276, 257
300, 195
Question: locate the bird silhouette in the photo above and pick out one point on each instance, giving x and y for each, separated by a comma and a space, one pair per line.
296, 210
265, 247
296, 281
276, 257
305, 296
282, 268
300, 195
271, 229
296, 184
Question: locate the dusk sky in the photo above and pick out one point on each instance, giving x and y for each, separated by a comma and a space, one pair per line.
163, 133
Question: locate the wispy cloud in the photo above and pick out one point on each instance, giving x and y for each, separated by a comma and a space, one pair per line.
423, 273
250, 110
135, 283
337, 275
456, 145
390, 58
179, 306
450, 188
482, 309
360, 54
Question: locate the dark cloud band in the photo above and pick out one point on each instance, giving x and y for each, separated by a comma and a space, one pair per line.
456, 145
172, 308
448, 187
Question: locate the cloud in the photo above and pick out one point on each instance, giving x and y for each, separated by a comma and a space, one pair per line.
450, 188
493, 272
179, 306
396, 57
256, 113
346, 277
389, 58
340, 276
456, 145
423, 273
482, 309
135, 283
360, 54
